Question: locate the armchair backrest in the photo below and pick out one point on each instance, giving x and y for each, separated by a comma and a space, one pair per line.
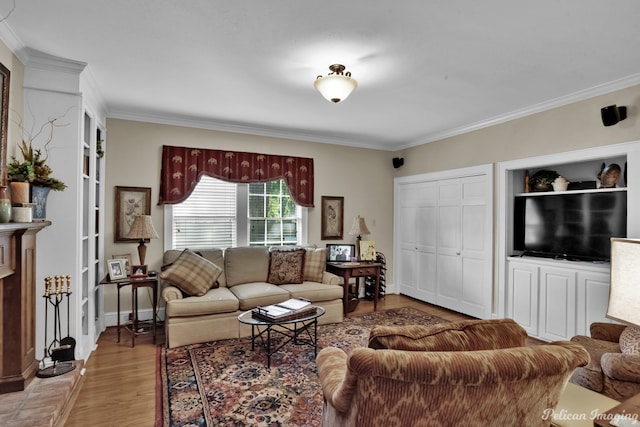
462, 335
504, 386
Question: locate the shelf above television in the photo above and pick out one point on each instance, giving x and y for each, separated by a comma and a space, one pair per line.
546, 193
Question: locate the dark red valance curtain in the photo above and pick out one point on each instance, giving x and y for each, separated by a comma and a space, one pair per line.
183, 167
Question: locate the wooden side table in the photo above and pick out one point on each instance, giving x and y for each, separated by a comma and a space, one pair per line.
136, 283
630, 408
347, 270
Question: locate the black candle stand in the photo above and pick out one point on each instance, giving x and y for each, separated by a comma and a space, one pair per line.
61, 350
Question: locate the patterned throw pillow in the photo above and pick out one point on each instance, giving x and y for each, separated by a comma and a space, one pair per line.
286, 266
314, 264
193, 274
630, 340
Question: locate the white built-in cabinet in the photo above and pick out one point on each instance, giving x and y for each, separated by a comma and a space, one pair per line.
73, 245
555, 300
558, 299
443, 239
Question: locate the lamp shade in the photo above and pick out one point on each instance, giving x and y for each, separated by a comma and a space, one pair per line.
359, 227
142, 228
624, 290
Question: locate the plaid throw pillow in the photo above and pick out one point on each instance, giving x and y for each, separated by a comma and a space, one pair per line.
286, 266
193, 274
314, 264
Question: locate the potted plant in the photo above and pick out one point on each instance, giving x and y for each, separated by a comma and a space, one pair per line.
543, 180
33, 173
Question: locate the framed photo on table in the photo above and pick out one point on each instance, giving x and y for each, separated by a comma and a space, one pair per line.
116, 270
126, 258
139, 271
332, 214
130, 202
340, 253
367, 250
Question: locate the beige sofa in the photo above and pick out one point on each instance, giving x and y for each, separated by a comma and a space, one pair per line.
242, 286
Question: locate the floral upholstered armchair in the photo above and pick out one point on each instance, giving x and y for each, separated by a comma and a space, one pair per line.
476, 372
614, 369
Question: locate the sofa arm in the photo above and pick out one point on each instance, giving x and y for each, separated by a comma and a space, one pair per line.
170, 293
330, 278
338, 383
606, 331
622, 367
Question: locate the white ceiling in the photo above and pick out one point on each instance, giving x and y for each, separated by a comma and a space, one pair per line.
426, 69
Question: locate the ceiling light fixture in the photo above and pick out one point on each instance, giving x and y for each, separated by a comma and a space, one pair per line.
337, 85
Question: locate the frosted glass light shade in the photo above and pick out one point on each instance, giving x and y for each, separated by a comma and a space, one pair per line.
335, 87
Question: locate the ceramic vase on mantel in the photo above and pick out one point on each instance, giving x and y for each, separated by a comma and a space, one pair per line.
5, 205
39, 199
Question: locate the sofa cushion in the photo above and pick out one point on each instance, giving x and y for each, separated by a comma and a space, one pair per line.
193, 274
215, 255
252, 295
314, 291
286, 266
218, 300
246, 265
630, 340
314, 264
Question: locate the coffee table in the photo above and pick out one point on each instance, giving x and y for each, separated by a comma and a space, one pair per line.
298, 331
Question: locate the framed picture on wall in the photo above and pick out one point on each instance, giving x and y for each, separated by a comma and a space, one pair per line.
130, 202
332, 218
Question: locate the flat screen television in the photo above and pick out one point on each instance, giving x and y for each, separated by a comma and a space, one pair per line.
574, 226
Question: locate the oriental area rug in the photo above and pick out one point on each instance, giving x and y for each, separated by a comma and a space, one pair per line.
224, 383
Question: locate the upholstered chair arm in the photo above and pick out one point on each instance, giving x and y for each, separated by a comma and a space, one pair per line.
464, 335
623, 367
330, 278
170, 293
337, 381
606, 331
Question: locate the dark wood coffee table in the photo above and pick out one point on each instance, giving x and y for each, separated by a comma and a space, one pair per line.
298, 331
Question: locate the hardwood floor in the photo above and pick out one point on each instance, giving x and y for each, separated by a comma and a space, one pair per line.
119, 383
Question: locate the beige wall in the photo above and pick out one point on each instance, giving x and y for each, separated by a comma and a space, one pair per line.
363, 177
567, 128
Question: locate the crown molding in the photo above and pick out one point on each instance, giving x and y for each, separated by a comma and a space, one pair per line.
578, 96
245, 128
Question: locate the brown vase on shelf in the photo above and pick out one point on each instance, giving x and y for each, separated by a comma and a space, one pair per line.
19, 193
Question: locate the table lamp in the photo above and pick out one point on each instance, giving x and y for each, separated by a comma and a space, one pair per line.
624, 290
359, 229
142, 229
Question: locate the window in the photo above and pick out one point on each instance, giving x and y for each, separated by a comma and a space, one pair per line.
223, 214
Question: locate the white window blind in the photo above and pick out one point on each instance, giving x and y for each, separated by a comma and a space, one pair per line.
223, 214
208, 217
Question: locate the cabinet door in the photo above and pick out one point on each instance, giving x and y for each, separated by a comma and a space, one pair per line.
557, 303
522, 296
592, 300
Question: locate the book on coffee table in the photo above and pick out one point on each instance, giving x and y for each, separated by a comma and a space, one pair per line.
289, 310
